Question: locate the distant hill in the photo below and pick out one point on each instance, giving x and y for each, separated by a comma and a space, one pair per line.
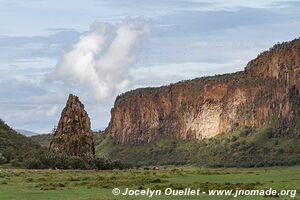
42, 139
16, 148
26, 132
45, 139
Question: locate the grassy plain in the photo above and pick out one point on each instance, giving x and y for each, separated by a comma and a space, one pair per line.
92, 185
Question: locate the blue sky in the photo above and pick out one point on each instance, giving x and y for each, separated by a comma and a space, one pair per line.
178, 40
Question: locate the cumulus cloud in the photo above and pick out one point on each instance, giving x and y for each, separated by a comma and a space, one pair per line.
101, 58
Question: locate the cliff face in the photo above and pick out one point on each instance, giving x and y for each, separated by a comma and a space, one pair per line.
73, 135
267, 90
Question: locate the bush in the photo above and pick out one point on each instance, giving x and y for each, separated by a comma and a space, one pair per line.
76, 163
2, 159
242, 148
16, 163
55, 161
16, 148
51, 160
107, 164
34, 164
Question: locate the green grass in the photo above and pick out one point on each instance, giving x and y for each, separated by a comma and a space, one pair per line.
78, 184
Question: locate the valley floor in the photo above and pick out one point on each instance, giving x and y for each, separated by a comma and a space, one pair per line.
80, 184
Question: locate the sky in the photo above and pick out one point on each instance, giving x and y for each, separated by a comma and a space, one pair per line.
98, 49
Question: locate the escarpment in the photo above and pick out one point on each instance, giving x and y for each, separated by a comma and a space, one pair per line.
266, 91
73, 134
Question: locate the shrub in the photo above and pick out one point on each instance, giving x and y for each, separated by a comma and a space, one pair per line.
242, 148
107, 164
2, 159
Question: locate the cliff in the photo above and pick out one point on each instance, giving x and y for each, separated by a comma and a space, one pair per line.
73, 134
266, 91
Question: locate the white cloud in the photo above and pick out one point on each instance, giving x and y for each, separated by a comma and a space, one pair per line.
44, 116
100, 60
189, 38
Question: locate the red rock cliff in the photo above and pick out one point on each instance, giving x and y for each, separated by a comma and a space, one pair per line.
205, 107
73, 135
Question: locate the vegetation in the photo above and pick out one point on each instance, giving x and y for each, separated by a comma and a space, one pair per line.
55, 161
52, 160
42, 139
45, 139
241, 148
16, 148
78, 184
19, 151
